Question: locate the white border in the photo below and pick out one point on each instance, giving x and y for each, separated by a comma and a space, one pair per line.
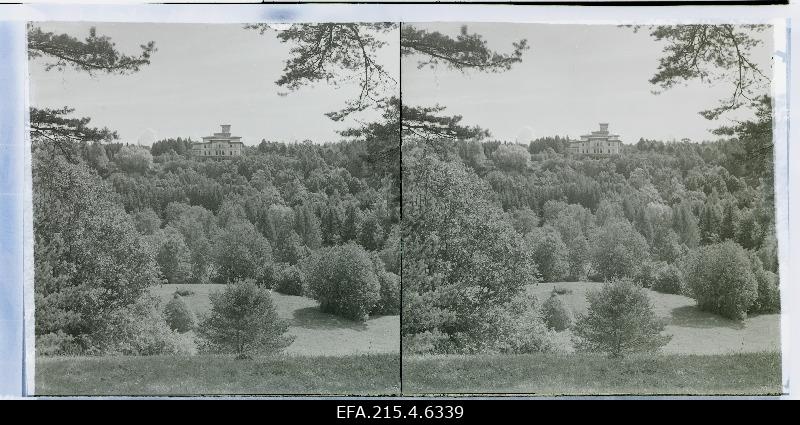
780, 82
779, 16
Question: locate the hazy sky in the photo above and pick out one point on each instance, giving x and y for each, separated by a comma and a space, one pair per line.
200, 77
571, 78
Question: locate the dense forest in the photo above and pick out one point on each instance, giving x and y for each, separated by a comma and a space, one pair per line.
161, 216
483, 219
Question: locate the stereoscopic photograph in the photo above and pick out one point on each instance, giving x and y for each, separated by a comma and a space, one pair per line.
589, 209
216, 208
546, 209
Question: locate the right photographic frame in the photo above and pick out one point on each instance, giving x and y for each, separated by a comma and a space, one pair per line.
591, 209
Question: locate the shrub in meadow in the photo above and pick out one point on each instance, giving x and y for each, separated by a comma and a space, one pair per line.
667, 279
556, 314
289, 280
342, 278
178, 315
521, 329
561, 291
139, 330
243, 321
620, 320
721, 279
184, 292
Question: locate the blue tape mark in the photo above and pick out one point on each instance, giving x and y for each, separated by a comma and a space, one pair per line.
12, 84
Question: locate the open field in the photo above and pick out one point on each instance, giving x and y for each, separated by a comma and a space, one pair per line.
316, 333
693, 331
204, 374
707, 355
558, 374
329, 355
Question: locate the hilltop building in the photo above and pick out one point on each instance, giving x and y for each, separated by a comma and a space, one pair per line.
218, 145
598, 143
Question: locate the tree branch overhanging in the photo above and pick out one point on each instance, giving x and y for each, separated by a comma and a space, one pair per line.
711, 54
91, 55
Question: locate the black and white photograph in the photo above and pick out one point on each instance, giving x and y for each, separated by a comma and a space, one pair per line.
589, 209
398, 212
216, 208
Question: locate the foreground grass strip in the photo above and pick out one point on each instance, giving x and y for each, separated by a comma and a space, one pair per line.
575, 374
215, 375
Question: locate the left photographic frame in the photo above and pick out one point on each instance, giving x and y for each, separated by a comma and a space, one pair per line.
216, 208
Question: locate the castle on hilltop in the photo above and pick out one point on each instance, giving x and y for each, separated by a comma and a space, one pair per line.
218, 145
597, 143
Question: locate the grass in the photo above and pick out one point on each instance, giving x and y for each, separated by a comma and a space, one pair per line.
583, 374
316, 333
366, 374
329, 355
707, 355
693, 331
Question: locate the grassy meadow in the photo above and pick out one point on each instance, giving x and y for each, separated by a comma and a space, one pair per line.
316, 333
329, 355
363, 374
708, 354
592, 374
693, 331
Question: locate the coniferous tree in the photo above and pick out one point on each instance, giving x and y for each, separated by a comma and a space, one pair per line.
243, 321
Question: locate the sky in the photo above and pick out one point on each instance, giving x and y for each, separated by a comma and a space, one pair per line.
572, 78
202, 75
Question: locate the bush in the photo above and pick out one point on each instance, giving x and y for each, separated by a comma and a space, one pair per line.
268, 276
646, 275
389, 302
428, 342
721, 279
620, 320
560, 291
57, 344
667, 279
178, 315
289, 280
556, 314
184, 292
139, 330
342, 278
521, 329
243, 320
769, 298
